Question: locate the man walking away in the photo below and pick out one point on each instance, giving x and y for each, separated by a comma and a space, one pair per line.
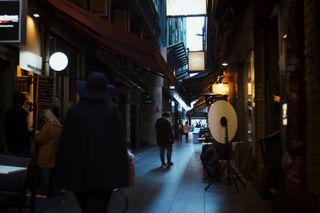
164, 138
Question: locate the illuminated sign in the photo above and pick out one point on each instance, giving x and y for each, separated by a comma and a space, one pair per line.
196, 61
221, 88
58, 61
12, 21
30, 62
186, 7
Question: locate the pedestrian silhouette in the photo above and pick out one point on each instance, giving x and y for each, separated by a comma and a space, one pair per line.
164, 138
186, 130
16, 127
92, 157
47, 140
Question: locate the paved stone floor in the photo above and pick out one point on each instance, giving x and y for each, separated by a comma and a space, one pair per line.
177, 189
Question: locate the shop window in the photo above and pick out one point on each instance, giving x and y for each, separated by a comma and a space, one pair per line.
26, 85
23, 83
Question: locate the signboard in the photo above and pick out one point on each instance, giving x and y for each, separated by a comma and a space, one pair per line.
220, 88
30, 62
196, 61
186, 7
12, 21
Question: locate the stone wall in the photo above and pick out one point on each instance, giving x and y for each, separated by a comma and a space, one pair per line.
312, 63
260, 110
150, 112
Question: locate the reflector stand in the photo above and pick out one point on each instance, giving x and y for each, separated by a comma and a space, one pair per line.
223, 125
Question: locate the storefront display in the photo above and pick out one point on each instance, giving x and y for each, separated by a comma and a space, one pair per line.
26, 85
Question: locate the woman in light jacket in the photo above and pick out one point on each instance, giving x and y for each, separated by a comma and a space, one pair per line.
47, 140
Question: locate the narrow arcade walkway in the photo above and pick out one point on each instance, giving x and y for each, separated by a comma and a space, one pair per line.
177, 189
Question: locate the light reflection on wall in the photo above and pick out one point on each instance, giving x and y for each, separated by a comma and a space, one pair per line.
284, 114
181, 102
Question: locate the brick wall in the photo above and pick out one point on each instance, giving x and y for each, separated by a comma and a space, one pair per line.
312, 60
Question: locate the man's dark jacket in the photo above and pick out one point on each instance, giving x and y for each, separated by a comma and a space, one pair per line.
92, 153
164, 132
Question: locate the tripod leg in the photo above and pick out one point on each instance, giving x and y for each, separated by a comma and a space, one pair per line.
224, 167
238, 177
221, 170
234, 179
236, 185
208, 186
229, 176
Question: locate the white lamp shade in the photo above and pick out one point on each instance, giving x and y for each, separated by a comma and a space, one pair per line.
58, 61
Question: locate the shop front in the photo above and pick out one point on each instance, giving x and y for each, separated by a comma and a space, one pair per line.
20, 64
9, 58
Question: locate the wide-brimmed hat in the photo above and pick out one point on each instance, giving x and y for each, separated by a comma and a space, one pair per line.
95, 87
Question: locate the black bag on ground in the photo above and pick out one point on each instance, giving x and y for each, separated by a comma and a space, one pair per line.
210, 162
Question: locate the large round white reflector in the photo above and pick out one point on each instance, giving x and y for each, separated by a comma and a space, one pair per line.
218, 110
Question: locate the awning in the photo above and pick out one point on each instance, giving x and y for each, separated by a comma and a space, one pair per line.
193, 87
205, 100
182, 74
126, 44
200, 104
177, 55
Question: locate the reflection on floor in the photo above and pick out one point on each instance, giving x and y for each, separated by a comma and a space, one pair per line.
175, 189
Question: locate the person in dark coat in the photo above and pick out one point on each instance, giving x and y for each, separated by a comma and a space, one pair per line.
92, 155
164, 138
16, 127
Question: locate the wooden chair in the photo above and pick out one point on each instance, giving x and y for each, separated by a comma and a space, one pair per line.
14, 186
